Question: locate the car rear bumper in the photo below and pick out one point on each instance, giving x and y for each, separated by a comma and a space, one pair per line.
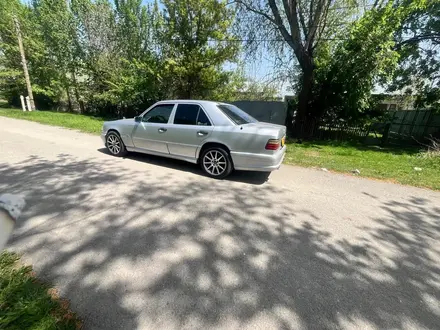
258, 162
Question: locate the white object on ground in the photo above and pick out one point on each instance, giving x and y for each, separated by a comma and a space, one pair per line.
356, 171
418, 169
28, 102
324, 169
11, 207
22, 102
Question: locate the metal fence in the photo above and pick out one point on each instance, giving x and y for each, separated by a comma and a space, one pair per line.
267, 111
410, 124
404, 127
330, 131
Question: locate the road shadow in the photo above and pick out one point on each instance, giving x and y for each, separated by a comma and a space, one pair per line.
162, 251
250, 177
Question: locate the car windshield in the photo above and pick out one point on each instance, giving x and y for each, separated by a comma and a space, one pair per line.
237, 115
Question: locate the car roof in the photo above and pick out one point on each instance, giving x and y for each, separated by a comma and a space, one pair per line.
217, 117
202, 102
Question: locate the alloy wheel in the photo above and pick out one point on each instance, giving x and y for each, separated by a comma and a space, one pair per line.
214, 163
114, 144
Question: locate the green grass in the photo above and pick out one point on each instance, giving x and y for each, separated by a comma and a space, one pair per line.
82, 123
26, 303
393, 164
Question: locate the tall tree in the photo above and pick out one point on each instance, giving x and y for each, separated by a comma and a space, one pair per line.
418, 44
10, 66
24, 64
12, 79
59, 32
135, 81
196, 42
117, 44
367, 57
301, 25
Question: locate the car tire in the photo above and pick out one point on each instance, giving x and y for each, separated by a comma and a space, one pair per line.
114, 144
216, 162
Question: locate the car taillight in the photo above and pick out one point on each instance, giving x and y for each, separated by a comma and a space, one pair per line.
273, 144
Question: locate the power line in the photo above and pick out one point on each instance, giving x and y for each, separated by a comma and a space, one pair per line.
283, 40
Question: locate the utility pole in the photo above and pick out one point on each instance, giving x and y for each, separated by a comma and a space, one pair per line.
24, 63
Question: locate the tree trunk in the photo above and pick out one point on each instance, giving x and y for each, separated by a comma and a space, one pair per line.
304, 120
69, 99
78, 99
189, 87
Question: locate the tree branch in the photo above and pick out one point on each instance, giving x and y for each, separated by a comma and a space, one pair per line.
315, 23
311, 7
292, 17
302, 19
323, 26
377, 4
432, 37
256, 11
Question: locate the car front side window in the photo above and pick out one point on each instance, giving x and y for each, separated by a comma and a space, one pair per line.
159, 114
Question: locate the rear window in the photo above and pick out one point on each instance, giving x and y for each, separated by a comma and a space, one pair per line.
237, 115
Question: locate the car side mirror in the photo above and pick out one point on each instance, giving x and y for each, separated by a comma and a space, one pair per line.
138, 119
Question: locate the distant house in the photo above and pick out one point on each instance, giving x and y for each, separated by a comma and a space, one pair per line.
394, 102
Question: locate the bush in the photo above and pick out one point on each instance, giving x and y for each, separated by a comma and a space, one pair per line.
433, 148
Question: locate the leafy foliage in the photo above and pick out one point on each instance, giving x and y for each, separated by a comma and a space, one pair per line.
12, 82
195, 43
296, 30
346, 78
418, 44
115, 57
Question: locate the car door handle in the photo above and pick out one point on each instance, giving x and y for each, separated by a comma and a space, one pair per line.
162, 130
202, 133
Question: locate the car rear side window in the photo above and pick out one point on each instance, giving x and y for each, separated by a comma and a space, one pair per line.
237, 115
202, 119
159, 114
190, 114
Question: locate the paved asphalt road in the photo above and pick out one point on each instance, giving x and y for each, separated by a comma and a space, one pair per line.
148, 243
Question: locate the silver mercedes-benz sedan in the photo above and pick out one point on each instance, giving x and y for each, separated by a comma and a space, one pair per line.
218, 136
